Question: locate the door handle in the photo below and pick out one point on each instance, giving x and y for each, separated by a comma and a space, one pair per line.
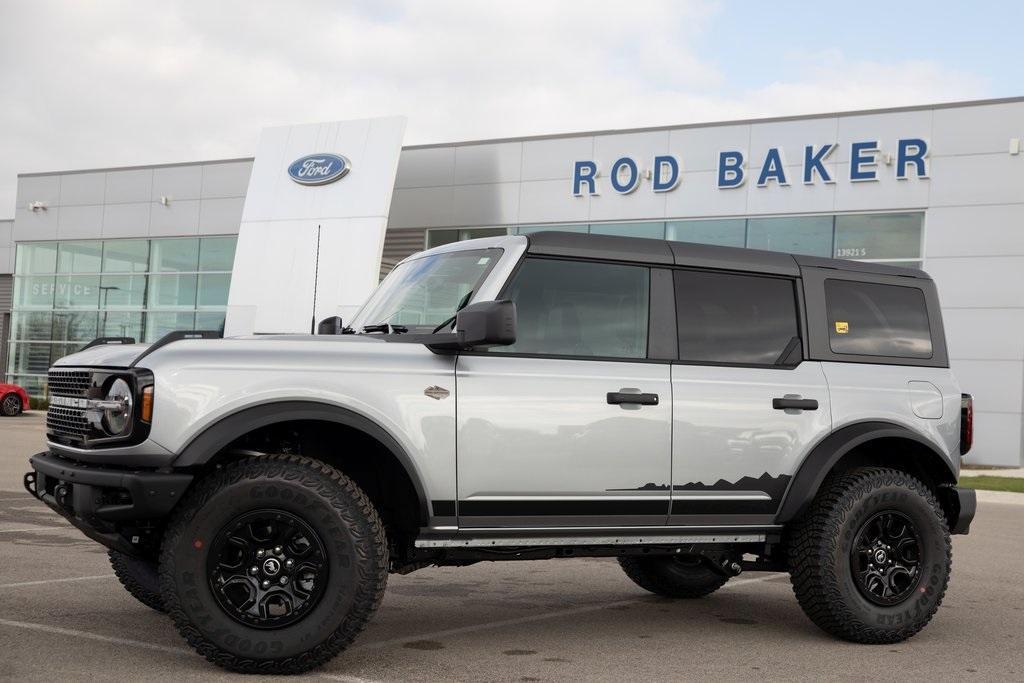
793, 403
617, 398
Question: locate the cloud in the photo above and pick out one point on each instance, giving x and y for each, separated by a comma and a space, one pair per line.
120, 83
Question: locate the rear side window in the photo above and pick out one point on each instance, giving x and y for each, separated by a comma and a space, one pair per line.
580, 308
735, 319
868, 319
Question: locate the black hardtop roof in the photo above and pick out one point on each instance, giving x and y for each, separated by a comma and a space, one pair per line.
666, 253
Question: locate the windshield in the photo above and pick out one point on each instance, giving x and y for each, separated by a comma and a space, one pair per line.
425, 292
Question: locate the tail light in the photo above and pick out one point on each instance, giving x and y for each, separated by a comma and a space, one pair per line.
966, 423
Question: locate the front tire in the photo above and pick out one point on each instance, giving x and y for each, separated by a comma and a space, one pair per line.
139, 578
273, 565
10, 405
870, 560
672, 576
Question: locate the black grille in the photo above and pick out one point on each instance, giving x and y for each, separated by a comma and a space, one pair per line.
67, 421
69, 382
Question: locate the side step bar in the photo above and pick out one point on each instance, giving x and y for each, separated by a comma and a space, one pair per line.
623, 540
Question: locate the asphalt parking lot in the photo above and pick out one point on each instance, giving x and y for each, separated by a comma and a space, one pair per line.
64, 616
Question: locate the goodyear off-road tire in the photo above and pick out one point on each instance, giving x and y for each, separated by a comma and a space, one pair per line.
864, 595
140, 579
332, 535
673, 577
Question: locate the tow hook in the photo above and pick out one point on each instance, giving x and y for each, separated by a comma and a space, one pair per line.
731, 568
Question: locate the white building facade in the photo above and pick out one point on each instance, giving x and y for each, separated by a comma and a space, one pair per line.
138, 252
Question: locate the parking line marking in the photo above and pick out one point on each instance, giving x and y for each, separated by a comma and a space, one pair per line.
346, 679
39, 528
45, 581
93, 636
530, 619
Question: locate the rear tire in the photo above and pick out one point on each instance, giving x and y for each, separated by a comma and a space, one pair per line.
140, 579
870, 560
273, 565
672, 576
10, 405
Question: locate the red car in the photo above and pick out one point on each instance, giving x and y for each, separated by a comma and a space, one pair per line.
13, 399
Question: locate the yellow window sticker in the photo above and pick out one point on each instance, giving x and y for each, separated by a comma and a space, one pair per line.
842, 327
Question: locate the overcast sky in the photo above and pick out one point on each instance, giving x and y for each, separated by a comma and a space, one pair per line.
98, 83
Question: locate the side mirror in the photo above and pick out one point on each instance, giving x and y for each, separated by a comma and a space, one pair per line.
486, 323
332, 325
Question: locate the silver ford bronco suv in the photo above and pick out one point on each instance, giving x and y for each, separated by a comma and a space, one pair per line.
692, 411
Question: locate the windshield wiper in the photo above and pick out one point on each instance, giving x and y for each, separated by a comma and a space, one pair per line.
385, 328
448, 321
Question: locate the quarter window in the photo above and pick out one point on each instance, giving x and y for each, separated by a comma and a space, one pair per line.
735, 319
580, 308
868, 319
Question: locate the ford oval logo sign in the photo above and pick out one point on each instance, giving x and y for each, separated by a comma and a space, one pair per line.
319, 169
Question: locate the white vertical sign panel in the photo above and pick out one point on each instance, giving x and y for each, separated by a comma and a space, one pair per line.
309, 251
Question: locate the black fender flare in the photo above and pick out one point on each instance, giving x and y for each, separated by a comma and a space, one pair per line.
823, 457
214, 438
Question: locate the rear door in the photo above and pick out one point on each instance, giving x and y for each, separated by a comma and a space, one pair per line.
747, 406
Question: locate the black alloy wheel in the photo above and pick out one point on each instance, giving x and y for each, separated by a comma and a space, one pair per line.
886, 558
267, 568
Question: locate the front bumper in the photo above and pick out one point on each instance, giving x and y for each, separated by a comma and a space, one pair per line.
115, 507
960, 505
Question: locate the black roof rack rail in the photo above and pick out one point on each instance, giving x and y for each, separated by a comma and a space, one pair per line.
177, 335
102, 341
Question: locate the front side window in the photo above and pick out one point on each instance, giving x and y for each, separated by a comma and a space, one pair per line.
735, 319
422, 293
868, 319
578, 308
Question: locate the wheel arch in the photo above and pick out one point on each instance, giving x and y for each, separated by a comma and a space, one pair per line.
217, 437
865, 443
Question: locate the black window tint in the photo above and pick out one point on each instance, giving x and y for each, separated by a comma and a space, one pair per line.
738, 319
577, 308
868, 319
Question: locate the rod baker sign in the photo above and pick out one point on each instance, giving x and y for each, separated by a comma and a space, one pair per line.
866, 159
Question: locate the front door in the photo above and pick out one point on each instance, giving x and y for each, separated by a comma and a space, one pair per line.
570, 426
747, 407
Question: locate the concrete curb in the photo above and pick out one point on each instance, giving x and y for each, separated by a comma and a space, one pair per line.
1003, 497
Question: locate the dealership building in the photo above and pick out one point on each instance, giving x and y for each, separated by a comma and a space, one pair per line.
253, 245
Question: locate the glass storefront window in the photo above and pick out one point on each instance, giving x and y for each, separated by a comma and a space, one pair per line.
174, 256
33, 259
730, 232
78, 327
808, 235
125, 256
879, 236
69, 293
77, 291
213, 291
171, 291
121, 324
159, 324
31, 325
79, 257
435, 238
210, 321
122, 291
34, 292
217, 253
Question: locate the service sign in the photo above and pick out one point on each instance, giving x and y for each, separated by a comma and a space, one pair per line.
319, 169
625, 175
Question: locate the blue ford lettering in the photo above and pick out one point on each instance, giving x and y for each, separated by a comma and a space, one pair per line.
318, 169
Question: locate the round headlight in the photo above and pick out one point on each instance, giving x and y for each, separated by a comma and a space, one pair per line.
117, 420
